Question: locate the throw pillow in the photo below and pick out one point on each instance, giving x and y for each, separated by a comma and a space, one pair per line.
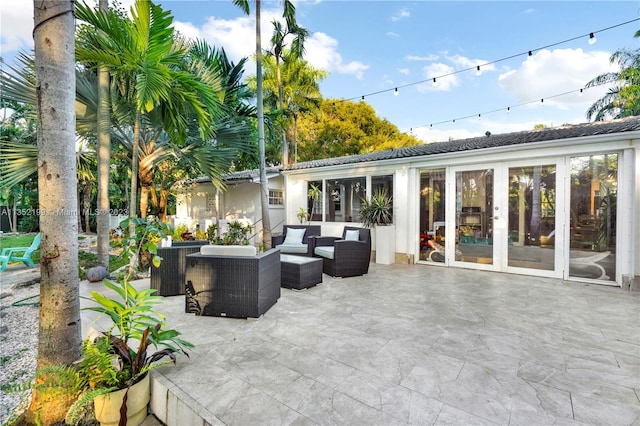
294, 236
352, 235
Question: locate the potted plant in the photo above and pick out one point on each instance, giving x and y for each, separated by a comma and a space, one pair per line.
378, 212
113, 370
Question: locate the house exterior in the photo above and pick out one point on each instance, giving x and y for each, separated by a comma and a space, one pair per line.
200, 203
561, 202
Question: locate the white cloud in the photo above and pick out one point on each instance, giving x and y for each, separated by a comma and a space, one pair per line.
462, 62
392, 34
322, 52
404, 71
402, 14
237, 37
444, 84
430, 135
17, 26
552, 72
422, 58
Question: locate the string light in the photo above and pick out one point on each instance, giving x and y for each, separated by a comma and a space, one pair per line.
395, 92
478, 72
479, 115
591, 35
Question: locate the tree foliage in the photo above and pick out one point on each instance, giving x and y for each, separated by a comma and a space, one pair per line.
347, 128
623, 97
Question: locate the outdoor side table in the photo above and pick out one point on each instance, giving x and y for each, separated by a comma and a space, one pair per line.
300, 272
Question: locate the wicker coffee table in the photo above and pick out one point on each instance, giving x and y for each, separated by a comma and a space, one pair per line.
300, 272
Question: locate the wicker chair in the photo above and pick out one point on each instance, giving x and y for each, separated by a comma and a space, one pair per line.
344, 257
302, 249
232, 286
168, 278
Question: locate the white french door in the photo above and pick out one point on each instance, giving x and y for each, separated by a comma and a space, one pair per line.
503, 218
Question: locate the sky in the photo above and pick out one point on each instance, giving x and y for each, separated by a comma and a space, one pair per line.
370, 48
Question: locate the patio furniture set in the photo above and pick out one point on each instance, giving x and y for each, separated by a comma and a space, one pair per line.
236, 281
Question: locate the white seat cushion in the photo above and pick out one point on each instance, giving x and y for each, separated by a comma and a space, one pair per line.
220, 250
324, 251
292, 248
294, 236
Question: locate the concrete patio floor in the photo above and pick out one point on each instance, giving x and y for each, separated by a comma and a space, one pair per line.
412, 344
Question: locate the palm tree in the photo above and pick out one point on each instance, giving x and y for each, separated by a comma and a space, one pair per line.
59, 338
103, 157
145, 58
623, 98
295, 52
299, 87
289, 15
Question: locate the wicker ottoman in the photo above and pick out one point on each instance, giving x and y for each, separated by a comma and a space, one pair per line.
299, 272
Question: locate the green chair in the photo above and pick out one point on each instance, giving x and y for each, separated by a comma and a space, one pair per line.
20, 254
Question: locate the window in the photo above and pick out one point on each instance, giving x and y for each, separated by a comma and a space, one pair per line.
276, 197
340, 199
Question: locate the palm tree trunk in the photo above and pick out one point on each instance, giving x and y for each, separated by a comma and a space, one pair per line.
59, 338
86, 206
285, 146
104, 154
264, 186
144, 200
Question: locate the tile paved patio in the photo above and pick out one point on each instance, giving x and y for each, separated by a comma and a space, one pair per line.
412, 344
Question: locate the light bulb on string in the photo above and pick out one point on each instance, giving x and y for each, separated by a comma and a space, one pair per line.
435, 83
581, 92
478, 71
592, 38
479, 117
363, 97
395, 92
508, 110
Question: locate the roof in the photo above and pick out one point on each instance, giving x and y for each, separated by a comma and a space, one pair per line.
492, 141
242, 176
628, 124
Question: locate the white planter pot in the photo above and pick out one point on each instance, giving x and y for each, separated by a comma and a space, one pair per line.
108, 406
385, 244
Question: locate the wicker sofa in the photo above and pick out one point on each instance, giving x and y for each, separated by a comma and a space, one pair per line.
232, 281
348, 256
289, 244
168, 278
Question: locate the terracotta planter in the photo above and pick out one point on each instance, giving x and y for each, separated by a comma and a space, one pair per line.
107, 406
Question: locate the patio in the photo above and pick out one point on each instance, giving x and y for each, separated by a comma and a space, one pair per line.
412, 344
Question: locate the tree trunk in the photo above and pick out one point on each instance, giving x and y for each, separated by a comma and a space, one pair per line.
59, 340
144, 200
285, 146
104, 154
264, 188
86, 206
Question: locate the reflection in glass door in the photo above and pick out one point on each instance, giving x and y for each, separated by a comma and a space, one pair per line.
592, 232
532, 217
432, 215
474, 216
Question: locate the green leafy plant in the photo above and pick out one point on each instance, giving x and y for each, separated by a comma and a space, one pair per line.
122, 355
302, 215
378, 210
236, 234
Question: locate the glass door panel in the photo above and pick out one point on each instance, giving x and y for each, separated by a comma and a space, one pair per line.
592, 231
432, 215
532, 213
474, 216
